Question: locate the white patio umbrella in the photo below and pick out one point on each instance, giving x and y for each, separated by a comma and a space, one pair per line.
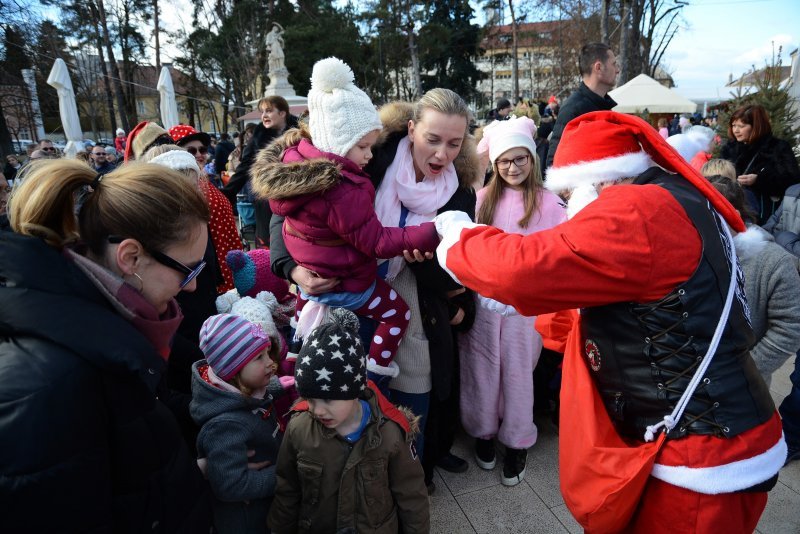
169, 107
68, 109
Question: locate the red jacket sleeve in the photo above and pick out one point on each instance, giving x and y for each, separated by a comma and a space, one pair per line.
634, 243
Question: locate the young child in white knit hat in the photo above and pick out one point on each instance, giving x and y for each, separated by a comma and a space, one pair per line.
315, 179
232, 399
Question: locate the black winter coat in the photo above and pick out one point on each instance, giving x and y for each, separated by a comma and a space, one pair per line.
582, 101
86, 444
262, 136
773, 161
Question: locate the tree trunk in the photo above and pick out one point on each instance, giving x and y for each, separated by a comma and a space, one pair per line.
104, 69
156, 32
604, 21
412, 49
514, 58
114, 68
624, 56
127, 65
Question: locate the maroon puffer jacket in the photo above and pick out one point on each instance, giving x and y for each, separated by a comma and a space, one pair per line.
331, 227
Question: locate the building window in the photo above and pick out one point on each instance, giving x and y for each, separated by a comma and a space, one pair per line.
140, 107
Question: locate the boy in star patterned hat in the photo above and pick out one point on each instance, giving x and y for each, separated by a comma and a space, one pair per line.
347, 461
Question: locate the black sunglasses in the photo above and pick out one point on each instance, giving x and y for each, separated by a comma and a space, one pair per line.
193, 151
189, 273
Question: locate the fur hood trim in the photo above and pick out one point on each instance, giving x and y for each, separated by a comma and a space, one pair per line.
395, 116
751, 242
273, 179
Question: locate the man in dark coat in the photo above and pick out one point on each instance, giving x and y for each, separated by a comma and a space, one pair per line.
275, 119
599, 70
223, 150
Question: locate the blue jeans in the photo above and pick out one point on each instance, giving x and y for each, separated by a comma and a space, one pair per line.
790, 409
417, 403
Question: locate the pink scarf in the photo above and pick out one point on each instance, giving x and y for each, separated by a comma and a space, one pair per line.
131, 305
422, 199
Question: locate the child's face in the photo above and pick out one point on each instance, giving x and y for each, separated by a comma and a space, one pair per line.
333, 413
361, 152
514, 166
258, 371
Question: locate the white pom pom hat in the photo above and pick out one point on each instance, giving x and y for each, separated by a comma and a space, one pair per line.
339, 112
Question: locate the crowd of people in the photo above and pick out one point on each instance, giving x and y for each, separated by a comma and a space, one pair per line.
159, 375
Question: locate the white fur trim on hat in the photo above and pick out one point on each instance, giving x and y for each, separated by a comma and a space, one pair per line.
340, 113
177, 160
598, 171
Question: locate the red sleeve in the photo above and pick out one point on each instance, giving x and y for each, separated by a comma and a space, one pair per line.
634, 243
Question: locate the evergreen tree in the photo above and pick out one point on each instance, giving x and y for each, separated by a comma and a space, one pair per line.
15, 48
448, 46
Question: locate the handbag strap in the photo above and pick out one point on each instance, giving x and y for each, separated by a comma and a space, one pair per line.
672, 419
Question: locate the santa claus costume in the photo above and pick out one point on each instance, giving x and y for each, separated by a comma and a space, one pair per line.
649, 264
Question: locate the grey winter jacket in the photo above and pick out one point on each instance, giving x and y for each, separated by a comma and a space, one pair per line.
784, 225
233, 424
772, 286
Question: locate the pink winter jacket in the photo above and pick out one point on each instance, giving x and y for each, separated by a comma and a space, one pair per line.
328, 200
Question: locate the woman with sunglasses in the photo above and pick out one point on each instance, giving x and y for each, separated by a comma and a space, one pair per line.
87, 317
224, 234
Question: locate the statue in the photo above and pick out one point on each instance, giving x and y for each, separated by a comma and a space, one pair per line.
275, 46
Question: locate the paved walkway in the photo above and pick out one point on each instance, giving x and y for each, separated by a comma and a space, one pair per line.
476, 502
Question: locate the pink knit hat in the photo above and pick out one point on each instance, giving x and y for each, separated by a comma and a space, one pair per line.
500, 136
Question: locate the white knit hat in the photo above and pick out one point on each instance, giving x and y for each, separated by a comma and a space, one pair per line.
340, 113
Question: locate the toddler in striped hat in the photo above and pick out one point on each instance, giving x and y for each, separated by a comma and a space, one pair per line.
232, 401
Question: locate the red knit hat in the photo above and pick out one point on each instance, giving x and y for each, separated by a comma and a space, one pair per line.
183, 133
604, 146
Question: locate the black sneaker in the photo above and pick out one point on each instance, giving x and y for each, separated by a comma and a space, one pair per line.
514, 466
451, 462
485, 455
792, 455
431, 486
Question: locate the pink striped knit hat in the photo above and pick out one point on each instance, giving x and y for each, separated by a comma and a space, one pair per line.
230, 342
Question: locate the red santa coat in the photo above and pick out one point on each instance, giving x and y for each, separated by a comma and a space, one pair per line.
634, 243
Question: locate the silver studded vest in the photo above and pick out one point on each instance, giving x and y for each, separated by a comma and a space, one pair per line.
643, 355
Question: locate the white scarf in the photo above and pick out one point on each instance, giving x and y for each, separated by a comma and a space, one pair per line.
422, 199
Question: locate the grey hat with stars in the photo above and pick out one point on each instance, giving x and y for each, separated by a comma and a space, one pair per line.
331, 365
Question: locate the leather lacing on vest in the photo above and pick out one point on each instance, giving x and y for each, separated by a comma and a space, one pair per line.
675, 383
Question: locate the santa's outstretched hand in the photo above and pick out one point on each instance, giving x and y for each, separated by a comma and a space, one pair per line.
449, 226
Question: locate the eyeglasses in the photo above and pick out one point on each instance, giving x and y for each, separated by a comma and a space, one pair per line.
98, 153
193, 151
48, 148
163, 259
519, 161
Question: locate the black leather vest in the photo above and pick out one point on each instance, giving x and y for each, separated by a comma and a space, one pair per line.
643, 355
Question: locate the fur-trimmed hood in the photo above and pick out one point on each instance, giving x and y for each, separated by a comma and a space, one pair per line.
273, 179
395, 116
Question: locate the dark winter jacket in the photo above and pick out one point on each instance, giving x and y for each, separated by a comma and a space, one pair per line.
784, 225
582, 101
262, 136
773, 161
327, 485
233, 424
326, 198
223, 150
87, 444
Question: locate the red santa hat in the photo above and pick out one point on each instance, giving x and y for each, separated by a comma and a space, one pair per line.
605, 146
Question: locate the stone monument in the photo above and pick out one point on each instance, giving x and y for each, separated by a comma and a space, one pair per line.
276, 70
